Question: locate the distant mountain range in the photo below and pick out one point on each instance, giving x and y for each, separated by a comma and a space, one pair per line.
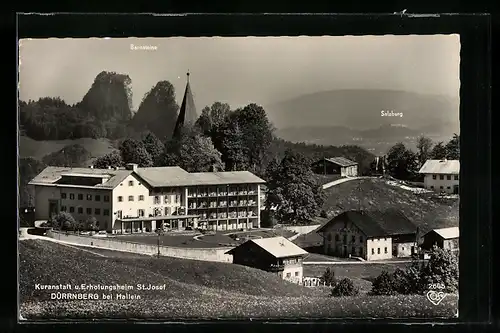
358, 112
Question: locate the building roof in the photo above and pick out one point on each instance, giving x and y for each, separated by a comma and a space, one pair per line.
375, 223
187, 112
278, 247
154, 177
441, 167
447, 233
50, 175
341, 161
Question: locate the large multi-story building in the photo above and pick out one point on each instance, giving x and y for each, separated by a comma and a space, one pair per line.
133, 199
441, 175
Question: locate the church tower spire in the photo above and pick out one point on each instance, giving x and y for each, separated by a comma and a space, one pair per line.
187, 112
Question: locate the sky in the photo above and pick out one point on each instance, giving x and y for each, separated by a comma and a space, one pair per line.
242, 70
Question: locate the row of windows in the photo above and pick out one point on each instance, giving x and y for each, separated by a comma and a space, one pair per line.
448, 177
130, 183
156, 199
378, 250
97, 211
441, 187
89, 197
289, 274
337, 238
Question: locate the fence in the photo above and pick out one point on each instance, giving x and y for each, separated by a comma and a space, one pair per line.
204, 254
314, 282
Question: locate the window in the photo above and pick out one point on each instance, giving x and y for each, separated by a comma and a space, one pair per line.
63, 195
63, 208
89, 197
119, 214
121, 184
448, 187
80, 196
167, 211
167, 201
456, 177
353, 250
385, 250
130, 198
106, 198
177, 198
80, 210
296, 273
89, 211
361, 239
434, 176
373, 251
130, 183
141, 198
139, 183
329, 237
441, 177
402, 248
378, 250
337, 237
140, 212
288, 275
432, 187
120, 198
98, 211
441, 187
105, 212
345, 239
448, 177
72, 196
353, 238
97, 197
156, 200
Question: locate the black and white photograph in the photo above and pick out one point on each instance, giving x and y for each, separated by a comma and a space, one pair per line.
200, 178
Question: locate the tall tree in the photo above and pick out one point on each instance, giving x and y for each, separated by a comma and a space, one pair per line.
112, 160
453, 148
158, 111
213, 118
401, 162
133, 151
235, 153
154, 147
439, 151
193, 152
424, 146
292, 188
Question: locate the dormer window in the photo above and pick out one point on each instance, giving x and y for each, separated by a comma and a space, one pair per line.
130, 183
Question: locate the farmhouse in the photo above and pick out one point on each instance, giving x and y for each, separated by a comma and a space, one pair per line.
134, 199
276, 255
336, 166
445, 238
441, 175
371, 235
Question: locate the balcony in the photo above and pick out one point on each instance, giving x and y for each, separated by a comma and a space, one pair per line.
275, 268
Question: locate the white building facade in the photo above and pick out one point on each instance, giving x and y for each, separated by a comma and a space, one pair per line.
442, 175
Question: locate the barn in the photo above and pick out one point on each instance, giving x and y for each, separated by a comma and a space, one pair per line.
336, 166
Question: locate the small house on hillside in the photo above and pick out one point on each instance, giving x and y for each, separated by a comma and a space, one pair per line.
371, 235
445, 238
275, 254
336, 166
441, 175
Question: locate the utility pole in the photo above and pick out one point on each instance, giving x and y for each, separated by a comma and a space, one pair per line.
159, 232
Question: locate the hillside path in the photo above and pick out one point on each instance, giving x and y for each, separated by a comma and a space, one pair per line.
343, 180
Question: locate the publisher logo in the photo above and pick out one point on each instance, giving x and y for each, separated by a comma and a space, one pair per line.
435, 297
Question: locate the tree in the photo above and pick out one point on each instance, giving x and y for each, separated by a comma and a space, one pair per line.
63, 221
110, 160
28, 169
442, 268
401, 162
213, 119
424, 146
453, 148
70, 156
383, 284
193, 152
91, 224
328, 277
235, 153
133, 151
344, 287
438, 152
154, 147
292, 188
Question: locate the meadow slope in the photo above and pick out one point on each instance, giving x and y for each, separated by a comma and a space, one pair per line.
194, 290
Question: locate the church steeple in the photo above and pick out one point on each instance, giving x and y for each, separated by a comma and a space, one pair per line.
187, 112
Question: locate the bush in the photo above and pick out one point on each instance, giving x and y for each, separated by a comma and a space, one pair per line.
323, 214
63, 221
442, 268
384, 284
328, 277
345, 287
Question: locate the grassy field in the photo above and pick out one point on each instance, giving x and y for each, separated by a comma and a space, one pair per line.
38, 149
323, 179
193, 290
426, 210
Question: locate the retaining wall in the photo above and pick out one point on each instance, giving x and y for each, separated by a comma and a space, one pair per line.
205, 254
301, 229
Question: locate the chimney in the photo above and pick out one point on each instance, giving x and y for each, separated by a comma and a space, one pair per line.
131, 166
